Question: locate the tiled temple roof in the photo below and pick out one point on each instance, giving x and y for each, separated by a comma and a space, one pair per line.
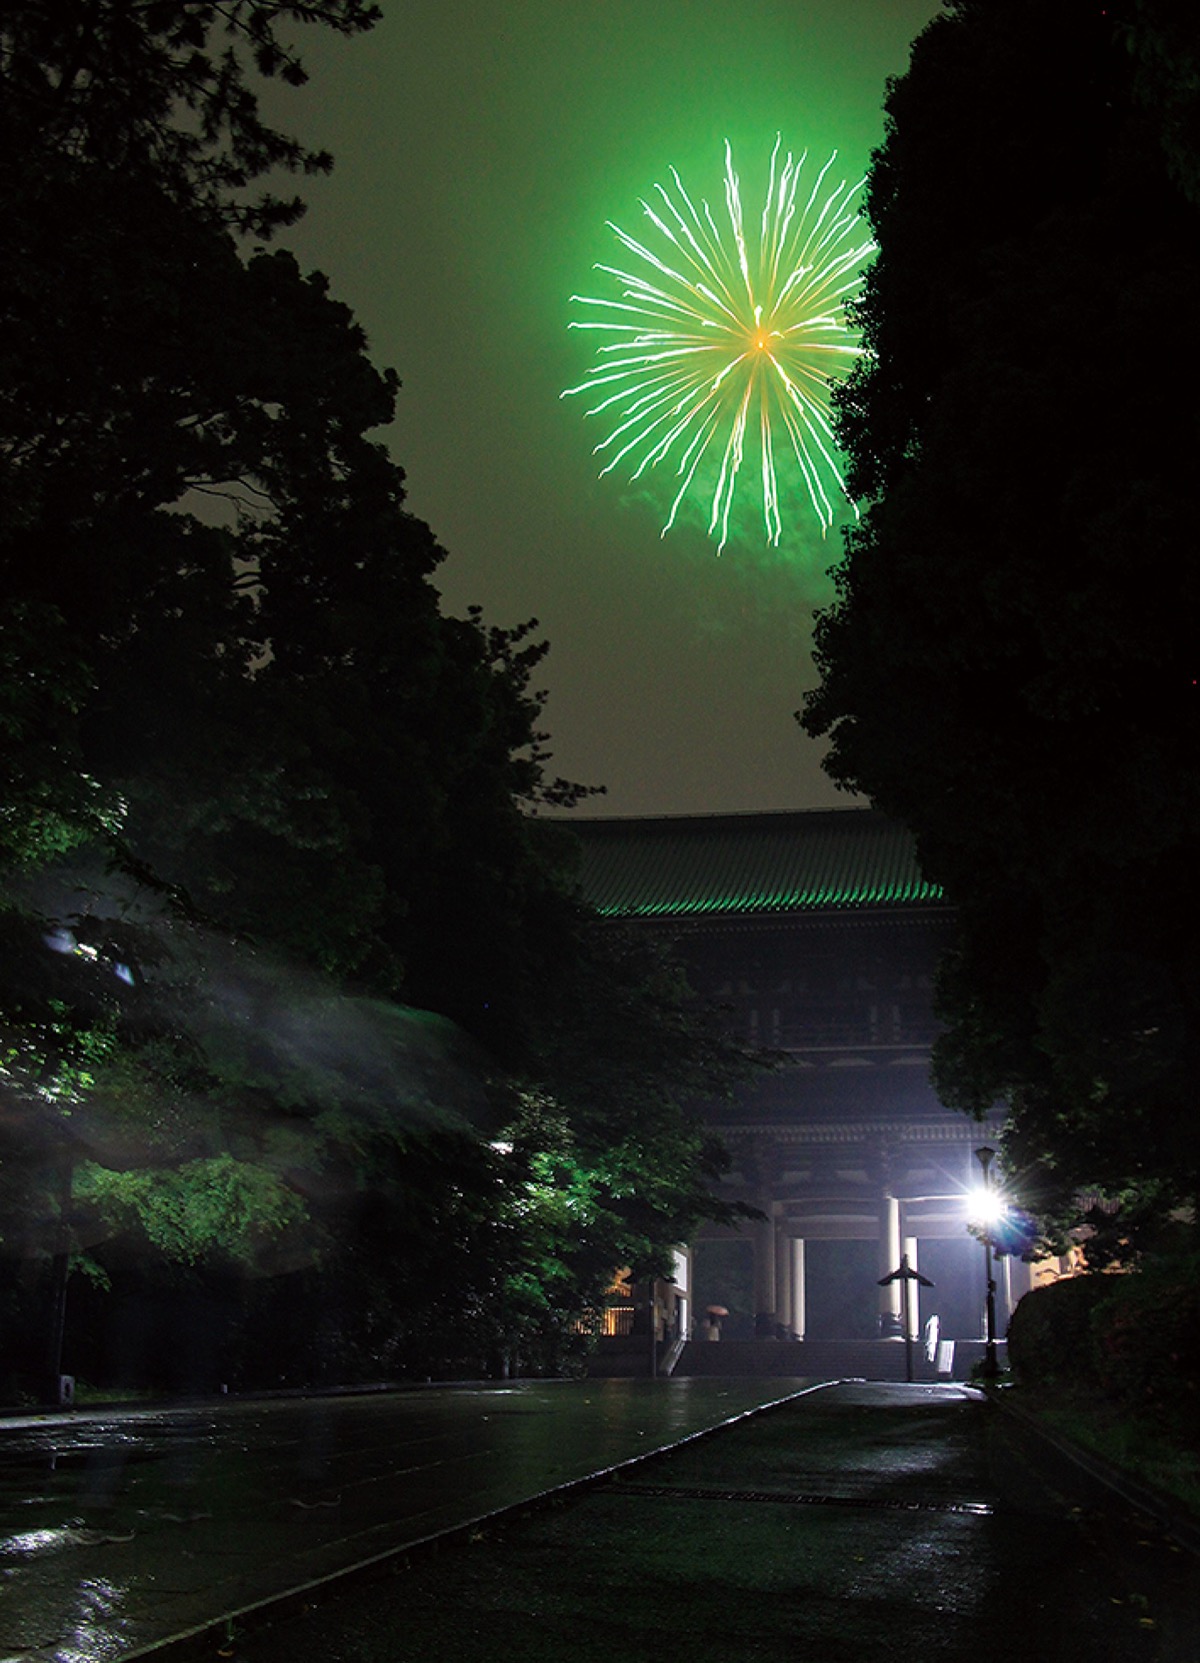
681, 866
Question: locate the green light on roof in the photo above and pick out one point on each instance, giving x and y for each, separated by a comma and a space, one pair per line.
825, 899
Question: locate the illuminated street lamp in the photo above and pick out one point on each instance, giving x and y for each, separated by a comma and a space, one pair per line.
987, 1213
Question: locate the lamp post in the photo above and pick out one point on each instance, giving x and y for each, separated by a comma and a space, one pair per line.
991, 1367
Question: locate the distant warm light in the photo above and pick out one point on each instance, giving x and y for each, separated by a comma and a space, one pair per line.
722, 343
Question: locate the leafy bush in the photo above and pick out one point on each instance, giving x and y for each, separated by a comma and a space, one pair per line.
1134, 1339
1146, 1339
1050, 1335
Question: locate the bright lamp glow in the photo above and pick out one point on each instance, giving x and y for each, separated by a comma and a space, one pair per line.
985, 1207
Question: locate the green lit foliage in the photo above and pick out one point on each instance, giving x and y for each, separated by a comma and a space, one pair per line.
448, 1254
633, 1065
240, 1125
50, 805
209, 1206
1009, 667
584, 1212
343, 1155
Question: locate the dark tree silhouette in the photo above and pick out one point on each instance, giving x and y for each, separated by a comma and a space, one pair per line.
265, 807
1010, 663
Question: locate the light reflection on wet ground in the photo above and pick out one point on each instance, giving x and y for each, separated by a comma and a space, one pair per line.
859, 1524
120, 1529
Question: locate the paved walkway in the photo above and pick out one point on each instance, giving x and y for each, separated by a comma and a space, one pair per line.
916, 1524
121, 1530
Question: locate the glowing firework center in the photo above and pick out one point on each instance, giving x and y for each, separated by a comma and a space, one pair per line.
719, 358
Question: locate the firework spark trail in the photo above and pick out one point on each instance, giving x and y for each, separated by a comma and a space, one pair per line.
710, 333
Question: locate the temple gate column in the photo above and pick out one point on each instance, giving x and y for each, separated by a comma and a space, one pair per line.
910, 1247
764, 1274
783, 1275
799, 1314
1004, 1278
890, 1295
1020, 1280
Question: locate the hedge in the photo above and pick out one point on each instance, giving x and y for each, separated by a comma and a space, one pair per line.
1134, 1338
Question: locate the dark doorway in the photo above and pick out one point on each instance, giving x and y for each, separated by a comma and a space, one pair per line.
840, 1290
957, 1269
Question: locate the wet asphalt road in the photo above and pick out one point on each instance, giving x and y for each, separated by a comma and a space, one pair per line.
118, 1530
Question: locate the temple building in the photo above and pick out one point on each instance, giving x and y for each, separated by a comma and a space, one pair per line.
818, 937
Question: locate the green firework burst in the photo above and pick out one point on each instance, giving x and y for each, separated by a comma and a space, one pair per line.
719, 350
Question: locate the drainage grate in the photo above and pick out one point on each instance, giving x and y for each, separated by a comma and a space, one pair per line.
979, 1509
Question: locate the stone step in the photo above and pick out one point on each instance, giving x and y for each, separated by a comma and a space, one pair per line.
828, 1359
628, 1357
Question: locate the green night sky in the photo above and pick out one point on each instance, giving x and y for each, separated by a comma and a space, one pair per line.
479, 151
